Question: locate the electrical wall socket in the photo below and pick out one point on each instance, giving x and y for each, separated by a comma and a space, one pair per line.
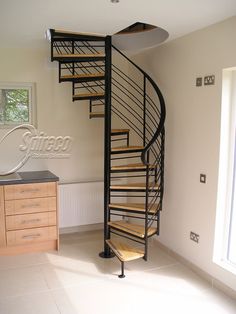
194, 236
209, 80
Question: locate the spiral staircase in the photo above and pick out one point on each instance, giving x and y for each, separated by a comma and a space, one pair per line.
133, 109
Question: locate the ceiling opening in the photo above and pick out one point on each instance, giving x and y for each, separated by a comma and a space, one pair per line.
139, 36
137, 28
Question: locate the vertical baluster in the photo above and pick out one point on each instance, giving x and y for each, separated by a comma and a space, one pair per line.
73, 89
59, 71
146, 208
162, 164
144, 110
158, 222
73, 51
128, 139
90, 107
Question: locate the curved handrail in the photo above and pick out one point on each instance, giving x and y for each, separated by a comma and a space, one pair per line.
162, 107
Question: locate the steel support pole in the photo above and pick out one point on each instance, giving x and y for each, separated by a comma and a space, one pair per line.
107, 147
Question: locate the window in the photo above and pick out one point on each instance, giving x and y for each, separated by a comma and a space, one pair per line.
17, 104
231, 248
225, 232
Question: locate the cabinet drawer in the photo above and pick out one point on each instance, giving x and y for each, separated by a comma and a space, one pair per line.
31, 235
31, 221
2, 219
31, 205
21, 191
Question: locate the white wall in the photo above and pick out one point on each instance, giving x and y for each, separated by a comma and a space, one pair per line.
192, 138
56, 115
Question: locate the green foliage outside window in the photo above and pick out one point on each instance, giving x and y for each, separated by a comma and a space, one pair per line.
14, 106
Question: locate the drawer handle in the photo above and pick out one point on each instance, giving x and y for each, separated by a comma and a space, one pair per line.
31, 220
32, 236
29, 191
30, 205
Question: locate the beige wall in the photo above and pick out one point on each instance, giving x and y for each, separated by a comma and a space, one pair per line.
192, 137
56, 115
192, 128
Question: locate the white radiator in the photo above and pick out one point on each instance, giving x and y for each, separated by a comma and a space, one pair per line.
80, 204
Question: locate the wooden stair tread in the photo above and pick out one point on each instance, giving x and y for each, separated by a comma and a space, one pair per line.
78, 33
133, 229
89, 95
133, 186
131, 166
137, 207
96, 115
124, 252
120, 131
126, 148
80, 55
78, 76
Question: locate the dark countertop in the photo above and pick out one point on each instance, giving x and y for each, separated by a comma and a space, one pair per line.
28, 177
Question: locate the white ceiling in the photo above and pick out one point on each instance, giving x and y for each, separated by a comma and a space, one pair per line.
23, 22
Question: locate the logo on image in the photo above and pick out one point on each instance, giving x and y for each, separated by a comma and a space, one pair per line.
38, 145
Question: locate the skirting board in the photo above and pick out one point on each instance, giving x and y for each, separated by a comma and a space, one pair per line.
215, 283
98, 226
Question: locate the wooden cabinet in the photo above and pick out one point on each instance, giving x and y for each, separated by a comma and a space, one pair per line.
2, 219
28, 217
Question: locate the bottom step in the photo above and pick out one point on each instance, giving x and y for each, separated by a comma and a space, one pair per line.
123, 251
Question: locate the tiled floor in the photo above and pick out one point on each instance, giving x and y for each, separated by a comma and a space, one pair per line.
77, 281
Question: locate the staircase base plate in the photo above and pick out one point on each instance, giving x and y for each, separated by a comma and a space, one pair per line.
105, 255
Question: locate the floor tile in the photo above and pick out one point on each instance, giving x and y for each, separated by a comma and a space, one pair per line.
106, 297
176, 279
21, 281
81, 249
22, 260
38, 303
78, 237
64, 271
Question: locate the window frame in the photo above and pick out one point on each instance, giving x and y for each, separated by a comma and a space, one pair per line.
31, 87
227, 173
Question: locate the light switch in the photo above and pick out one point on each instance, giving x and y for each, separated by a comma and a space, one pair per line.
202, 178
199, 81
